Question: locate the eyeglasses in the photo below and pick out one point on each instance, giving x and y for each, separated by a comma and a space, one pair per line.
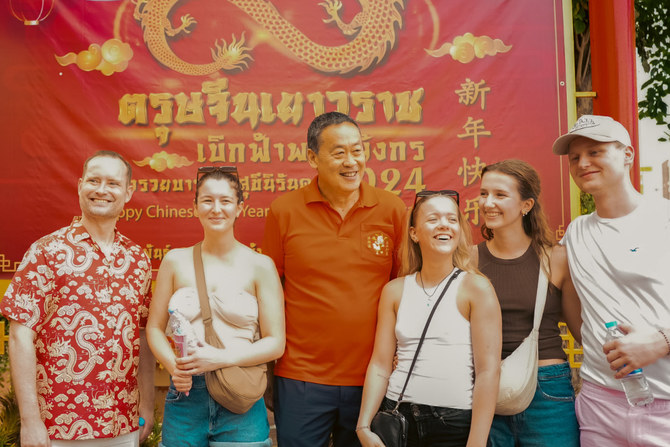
442, 192
204, 170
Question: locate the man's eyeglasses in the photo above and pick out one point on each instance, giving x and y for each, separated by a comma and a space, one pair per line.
442, 192
204, 170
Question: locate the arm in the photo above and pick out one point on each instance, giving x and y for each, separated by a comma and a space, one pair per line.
560, 277
486, 330
145, 380
271, 321
23, 364
380, 366
158, 319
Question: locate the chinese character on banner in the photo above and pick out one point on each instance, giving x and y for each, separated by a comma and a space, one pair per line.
471, 172
470, 92
474, 129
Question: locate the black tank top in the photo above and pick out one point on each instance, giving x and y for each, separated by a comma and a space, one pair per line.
515, 283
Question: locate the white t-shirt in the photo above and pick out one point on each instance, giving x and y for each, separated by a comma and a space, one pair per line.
621, 270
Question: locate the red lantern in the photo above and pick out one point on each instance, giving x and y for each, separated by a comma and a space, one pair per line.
31, 12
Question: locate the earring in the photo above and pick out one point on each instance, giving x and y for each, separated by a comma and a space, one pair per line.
525, 213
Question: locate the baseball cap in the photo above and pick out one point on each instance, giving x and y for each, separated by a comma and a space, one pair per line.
595, 127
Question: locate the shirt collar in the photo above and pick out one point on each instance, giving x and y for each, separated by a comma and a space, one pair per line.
367, 199
78, 229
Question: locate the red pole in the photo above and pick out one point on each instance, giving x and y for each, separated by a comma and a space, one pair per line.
613, 65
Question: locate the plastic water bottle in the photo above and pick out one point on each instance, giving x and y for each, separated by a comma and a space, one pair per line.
634, 384
181, 332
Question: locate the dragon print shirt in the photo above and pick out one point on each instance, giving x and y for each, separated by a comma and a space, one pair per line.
86, 310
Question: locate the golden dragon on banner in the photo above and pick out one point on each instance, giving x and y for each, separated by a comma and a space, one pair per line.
374, 30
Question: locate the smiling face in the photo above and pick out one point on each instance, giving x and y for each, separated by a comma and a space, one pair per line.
217, 206
436, 225
103, 189
500, 201
599, 167
340, 160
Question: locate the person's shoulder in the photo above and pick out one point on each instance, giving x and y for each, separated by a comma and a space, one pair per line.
288, 200
476, 283
255, 258
393, 289
385, 197
50, 240
177, 256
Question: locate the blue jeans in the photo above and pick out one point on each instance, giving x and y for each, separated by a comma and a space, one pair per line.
429, 426
307, 413
549, 420
197, 420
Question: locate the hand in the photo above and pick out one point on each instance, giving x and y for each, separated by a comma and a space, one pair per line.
182, 380
368, 438
203, 359
145, 430
637, 349
34, 435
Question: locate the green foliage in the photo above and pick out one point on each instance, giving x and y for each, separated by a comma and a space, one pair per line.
580, 16
652, 32
652, 38
586, 203
154, 438
10, 422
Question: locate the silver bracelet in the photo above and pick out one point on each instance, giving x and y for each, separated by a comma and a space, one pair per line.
362, 427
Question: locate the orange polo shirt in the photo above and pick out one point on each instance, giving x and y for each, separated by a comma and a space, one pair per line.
334, 270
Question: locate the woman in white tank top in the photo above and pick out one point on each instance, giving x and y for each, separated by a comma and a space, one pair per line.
450, 397
246, 302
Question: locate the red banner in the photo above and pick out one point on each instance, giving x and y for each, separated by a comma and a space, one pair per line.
439, 88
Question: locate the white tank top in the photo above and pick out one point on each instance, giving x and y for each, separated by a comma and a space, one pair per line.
444, 372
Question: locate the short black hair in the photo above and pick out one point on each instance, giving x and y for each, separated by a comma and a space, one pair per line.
321, 122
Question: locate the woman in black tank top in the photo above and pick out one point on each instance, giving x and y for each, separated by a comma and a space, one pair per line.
517, 237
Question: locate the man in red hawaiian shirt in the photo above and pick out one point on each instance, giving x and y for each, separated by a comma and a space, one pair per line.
77, 304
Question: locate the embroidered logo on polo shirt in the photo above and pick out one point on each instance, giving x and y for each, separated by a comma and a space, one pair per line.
379, 243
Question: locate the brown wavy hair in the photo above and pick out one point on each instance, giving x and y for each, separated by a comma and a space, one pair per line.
412, 261
535, 223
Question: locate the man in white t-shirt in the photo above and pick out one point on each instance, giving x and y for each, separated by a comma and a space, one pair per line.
619, 258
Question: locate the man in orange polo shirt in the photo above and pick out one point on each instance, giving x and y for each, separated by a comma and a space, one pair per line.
335, 244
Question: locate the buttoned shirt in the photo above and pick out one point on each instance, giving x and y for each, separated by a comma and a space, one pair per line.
334, 269
86, 310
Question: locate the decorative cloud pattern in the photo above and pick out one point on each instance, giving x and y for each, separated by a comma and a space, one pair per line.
468, 46
112, 57
160, 161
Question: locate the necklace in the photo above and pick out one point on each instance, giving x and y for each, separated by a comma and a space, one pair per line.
430, 295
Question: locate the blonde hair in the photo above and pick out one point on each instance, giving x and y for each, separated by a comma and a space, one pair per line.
412, 261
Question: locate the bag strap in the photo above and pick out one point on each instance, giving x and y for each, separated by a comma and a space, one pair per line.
541, 297
423, 335
205, 310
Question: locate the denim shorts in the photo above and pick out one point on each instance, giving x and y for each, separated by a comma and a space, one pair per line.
549, 420
197, 420
428, 425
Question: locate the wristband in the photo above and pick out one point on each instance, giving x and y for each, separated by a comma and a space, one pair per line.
667, 340
362, 427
